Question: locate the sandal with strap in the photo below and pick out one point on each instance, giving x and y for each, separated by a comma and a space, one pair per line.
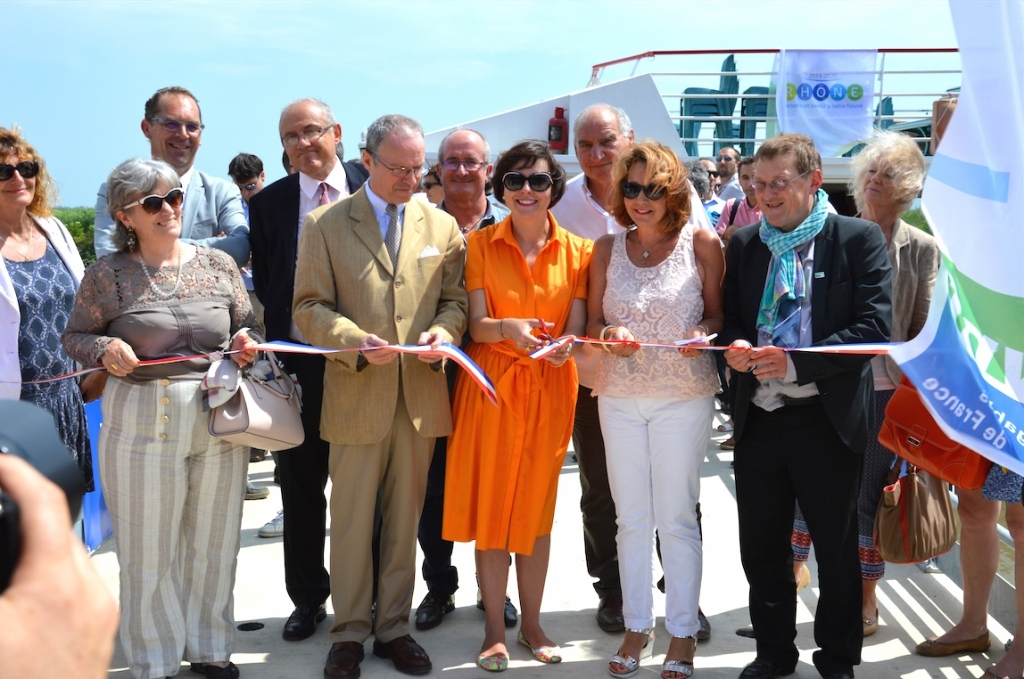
548, 655
632, 664
674, 669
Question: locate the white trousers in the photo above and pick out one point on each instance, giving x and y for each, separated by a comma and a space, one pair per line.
175, 495
655, 449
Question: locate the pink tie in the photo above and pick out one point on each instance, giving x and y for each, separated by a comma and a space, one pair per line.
325, 197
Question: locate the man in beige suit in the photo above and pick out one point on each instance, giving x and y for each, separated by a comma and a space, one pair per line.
380, 270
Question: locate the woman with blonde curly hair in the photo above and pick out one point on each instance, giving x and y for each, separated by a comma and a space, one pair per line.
659, 280
40, 270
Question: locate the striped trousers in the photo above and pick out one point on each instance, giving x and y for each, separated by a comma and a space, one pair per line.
175, 495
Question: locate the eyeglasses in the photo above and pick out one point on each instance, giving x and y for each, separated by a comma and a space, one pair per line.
291, 139
251, 186
632, 190
26, 168
725, 159
776, 184
538, 181
713, 173
153, 204
401, 170
470, 165
429, 185
174, 126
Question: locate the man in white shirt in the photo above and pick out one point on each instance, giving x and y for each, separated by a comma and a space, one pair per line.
727, 165
309, 134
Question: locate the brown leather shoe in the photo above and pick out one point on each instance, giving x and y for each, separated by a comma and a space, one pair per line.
933, 648
609, 614
343, 660
408, 656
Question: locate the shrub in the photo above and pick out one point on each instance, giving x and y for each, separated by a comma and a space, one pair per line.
916, 218
79, 221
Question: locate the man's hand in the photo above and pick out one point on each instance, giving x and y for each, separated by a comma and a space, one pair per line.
769, 362
738, 356
60, 618
377, 357
435, 340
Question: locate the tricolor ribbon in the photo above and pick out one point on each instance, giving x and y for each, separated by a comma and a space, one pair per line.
879, 348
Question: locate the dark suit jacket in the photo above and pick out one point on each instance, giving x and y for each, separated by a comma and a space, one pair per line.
273, 230
850, 304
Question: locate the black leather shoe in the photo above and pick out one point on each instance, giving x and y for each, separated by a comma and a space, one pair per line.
704, 632
215, 672
302, 622
765, 669
609, 614
511, 614
841, 675
430, 612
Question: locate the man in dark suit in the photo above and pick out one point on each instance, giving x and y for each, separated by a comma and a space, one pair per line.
309, 134
802, 278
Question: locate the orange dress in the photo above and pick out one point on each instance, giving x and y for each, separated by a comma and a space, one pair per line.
504, 461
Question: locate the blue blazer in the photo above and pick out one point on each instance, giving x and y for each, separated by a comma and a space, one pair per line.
212, 206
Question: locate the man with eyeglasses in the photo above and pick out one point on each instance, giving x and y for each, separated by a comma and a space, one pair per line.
728, 165
212, 214
309, 134
804, 277
380, 269
463, 164
246, 171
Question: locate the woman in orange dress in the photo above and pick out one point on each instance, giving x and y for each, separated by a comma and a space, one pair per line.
504, 461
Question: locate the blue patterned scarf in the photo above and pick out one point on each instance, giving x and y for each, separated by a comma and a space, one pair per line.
778, 319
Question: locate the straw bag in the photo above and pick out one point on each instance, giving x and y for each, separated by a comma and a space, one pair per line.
257, 406
911, 432
914, 521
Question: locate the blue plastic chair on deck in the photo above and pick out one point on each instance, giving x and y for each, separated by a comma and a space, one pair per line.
755, 108
702, 107
884, 109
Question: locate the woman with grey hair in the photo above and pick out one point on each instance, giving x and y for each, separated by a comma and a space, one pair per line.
174, 491
887, 175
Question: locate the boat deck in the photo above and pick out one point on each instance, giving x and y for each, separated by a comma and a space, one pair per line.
913, 605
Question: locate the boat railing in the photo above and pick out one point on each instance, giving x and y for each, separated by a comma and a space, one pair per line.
906, 106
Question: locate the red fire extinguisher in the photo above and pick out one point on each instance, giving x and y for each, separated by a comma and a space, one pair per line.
558, 132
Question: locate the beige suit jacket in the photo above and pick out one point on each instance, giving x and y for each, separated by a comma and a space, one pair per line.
346, 288
914, 256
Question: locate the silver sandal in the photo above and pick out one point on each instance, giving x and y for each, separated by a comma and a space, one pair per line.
680, 667
632, 664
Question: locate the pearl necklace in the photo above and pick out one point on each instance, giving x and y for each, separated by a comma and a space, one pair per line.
152, 286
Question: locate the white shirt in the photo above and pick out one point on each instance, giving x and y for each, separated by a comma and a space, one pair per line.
580, 214
309, 200
732, 189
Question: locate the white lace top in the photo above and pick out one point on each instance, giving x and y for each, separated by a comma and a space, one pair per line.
657, 304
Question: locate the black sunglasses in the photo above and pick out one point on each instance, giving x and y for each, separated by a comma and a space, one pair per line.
26, 168
153, 204
538, 181
430, 185
631, 190
250, 186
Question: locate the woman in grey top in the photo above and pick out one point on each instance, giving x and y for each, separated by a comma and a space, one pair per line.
174, 492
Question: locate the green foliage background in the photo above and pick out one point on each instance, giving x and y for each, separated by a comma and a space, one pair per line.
79, 221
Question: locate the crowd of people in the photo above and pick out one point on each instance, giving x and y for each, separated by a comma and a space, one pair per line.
367, 255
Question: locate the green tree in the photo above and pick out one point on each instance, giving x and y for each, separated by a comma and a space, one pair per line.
79, 221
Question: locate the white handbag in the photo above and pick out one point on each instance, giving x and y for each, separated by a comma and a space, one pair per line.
258, 406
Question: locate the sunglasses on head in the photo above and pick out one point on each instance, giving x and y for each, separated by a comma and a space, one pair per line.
631, 190
538, 181
153, 204
26, 168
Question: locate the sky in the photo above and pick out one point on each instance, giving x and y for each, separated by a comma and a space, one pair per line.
77, 73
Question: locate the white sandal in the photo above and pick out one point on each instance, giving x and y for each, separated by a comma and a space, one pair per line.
632, 664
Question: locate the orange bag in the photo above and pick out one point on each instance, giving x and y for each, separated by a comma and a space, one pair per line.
911, 432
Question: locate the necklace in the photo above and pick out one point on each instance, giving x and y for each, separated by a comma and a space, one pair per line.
25, 250
152, 286
647, 251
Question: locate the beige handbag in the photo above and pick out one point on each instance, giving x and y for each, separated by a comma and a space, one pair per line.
264, 410
914, 522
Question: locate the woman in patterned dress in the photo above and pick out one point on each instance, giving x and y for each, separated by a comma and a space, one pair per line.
660, 280
174, 492
39, 274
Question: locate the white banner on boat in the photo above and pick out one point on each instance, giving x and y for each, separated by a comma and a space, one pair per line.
968, 362
829, 95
